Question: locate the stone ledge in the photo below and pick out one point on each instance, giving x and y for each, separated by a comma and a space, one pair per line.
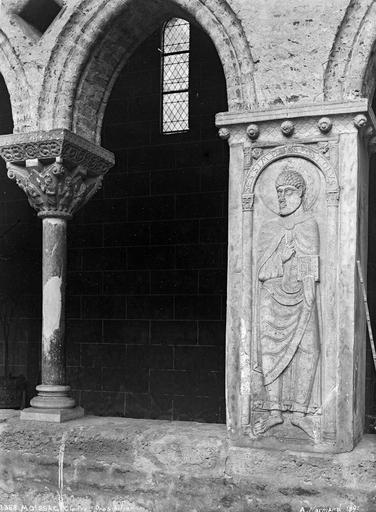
163, 466
294, 111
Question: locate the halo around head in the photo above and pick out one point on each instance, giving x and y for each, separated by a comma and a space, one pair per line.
291, 177
294, 171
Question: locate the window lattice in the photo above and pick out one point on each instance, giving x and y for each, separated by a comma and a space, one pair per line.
175, 76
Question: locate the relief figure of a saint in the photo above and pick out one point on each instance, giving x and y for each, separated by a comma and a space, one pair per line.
288, 334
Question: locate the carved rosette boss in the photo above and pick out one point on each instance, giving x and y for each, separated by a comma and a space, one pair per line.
59, 172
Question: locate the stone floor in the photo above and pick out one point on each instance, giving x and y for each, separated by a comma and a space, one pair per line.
122, 464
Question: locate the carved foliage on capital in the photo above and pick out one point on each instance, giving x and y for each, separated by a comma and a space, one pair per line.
54, 190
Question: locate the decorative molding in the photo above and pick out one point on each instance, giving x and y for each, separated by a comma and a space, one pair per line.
360, 121
253, 131
325, 124
287, 128
256, 153
224, 133
293, 112
290, 150
323, 147
58, 170
76, 150
306, 131
248, 154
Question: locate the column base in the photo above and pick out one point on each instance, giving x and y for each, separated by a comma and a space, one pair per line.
52, 397
54, 415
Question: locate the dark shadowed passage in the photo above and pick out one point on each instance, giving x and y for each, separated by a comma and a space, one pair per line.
20, 271
148, 255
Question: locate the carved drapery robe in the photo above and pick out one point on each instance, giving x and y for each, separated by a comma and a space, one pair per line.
288, 329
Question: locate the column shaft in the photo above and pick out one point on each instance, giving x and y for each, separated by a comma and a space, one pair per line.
53, 392
54, 279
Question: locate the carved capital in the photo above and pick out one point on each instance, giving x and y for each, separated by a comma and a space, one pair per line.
58, 170
332, 198
247, 202
54, 190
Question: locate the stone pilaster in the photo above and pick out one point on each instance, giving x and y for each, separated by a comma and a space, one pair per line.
295, 360
59, 172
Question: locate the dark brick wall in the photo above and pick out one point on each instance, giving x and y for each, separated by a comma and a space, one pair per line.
147, 256
20, 269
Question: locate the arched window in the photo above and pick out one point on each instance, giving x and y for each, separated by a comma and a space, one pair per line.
175, 76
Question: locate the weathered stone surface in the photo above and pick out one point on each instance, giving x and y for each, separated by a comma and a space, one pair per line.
159, 466
275, 54
62, 80
294, 348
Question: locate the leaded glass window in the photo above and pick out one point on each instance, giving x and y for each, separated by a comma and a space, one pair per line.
175, 76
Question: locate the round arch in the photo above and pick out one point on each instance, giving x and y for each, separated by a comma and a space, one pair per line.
78, 82
295, 150
350, 71
17, 85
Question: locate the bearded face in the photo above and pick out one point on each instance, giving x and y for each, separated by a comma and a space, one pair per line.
289, 198
290, 186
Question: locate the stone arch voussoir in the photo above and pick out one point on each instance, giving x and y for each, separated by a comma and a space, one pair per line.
17, 85
351, 68
96, 42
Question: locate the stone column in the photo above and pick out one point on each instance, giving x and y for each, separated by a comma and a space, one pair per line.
296, 337
59, 172
53, 392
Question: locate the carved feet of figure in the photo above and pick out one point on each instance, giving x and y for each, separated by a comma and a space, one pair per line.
262, 425
304, 422
298, 419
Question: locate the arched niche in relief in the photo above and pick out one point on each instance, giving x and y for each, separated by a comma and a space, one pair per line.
288, 352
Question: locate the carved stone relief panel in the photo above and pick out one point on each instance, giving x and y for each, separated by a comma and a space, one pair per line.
295, 222
294, 195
